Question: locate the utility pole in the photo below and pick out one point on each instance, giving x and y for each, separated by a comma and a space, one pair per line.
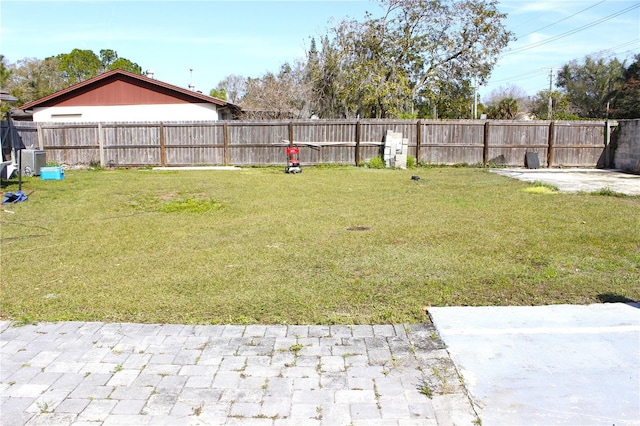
550, 107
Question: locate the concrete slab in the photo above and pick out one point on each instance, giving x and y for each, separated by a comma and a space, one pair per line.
578, 180
542, 365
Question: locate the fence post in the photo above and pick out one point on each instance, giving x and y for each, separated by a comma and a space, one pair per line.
225, 130
291, 133
551, 142
358, 136
101, 144
607, 140
163, 149
40, 136
418, 141
485, 142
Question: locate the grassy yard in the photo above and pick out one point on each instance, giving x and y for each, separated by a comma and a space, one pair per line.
331, 246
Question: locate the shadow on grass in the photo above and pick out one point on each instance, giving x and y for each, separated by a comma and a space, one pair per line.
616, 298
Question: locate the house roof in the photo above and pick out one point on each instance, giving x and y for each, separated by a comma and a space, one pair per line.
119, 87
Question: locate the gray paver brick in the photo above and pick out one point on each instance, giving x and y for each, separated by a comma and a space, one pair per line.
232, 331
173, 374
98, 409
306, 383
354, 396
333, 381
258, 360
336, 414
384, 330
132, 392
136, 361
226, 380
199, 382
72, 405
251, 383
394, 410
276, 331
317, 396
319, 331
129, 406
123, 378
184, 409
91, 391
242, 395
24, 374
361, 411
306, 411
276, 406
128, 420
48, 419
200, 395
171, 384
47, 401
159, 404
147, 379
341, 331
255, 331
24, 390
162, 369
245, 410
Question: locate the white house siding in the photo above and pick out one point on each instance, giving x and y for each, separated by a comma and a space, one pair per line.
169, 112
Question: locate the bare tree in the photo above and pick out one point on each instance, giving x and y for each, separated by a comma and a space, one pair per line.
33, 78
235, 86
282, 95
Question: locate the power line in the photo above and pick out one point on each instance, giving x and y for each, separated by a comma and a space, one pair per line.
568, 33
562, 20
529, 74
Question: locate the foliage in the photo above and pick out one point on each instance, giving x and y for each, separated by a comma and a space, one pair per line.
78, 65
31, 78
590, 85
280, 250
560, 106
506, 109
626, 101
5, 72
446, 100
376, 163
608, 192
383, 67
219, 93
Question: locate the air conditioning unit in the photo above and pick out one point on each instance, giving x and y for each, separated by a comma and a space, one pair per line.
31, 161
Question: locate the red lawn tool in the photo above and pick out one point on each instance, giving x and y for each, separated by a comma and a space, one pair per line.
293, 164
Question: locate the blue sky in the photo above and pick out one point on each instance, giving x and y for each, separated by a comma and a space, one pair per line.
250, 38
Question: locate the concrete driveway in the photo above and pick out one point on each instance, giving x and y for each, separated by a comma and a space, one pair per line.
547, 365
578, 180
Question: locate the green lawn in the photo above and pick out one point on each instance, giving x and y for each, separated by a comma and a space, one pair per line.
329, 246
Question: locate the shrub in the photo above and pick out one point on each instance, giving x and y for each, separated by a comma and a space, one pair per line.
376, 163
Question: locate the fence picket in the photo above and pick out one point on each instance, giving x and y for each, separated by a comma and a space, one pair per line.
576, 143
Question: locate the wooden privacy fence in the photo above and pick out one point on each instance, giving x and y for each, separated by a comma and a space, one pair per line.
557, 143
